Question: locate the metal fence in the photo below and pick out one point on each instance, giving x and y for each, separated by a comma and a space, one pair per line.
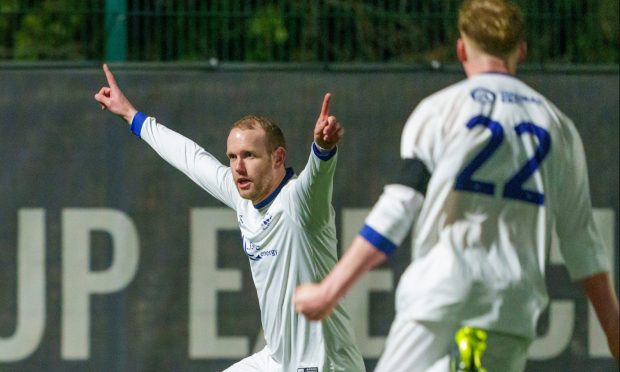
407, 31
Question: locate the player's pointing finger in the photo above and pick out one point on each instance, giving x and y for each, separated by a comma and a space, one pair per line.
325, 108
109, 76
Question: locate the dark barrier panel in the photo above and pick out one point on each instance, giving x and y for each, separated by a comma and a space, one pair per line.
111, 260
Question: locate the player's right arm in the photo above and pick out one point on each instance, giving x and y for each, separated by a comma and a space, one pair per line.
111, 98
392, 216
386, 226
182, 153
317, 300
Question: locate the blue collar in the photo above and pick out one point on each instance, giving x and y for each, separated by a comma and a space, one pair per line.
287, 176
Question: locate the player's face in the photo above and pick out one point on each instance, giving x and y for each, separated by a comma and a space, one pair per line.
254, 168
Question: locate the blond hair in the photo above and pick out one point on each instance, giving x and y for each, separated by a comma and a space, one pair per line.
273, 134
496, 27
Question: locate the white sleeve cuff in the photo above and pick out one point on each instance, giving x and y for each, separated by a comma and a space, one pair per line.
392, 216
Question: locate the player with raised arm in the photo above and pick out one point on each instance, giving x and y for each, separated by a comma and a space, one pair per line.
491, 171
286, 222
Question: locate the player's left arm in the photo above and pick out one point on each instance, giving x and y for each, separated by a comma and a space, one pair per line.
385, 228
581, 244
314, 187
327, 131
600, 291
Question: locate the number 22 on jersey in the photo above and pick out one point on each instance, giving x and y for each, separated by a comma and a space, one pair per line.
513, 187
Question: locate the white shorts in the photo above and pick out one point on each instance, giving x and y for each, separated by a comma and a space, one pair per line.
348, 359
414, 346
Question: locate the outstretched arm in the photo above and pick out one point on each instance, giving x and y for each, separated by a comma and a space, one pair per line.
111, 98
600, 292
314, 187
181, 152
316, 301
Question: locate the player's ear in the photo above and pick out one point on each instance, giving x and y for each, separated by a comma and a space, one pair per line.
279, 156
461, 52
522, 51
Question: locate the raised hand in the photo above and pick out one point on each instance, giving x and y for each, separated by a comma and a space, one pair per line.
111, 98
328, 131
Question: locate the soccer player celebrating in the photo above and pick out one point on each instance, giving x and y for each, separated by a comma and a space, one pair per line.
287, 225
491, 170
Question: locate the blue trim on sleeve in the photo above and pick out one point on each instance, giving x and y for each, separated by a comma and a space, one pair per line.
289, 173
323, 154
379, 241
136, 123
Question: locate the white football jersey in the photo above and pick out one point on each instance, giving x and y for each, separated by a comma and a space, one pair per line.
289, 238
506, 172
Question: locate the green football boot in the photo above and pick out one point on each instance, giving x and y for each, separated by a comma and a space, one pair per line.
471, 343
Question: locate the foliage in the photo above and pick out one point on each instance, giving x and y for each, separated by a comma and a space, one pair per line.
49, 32
267, 32
560, 31
9, 8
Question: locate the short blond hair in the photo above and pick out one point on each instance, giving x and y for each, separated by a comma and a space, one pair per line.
273, 134
495, 26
